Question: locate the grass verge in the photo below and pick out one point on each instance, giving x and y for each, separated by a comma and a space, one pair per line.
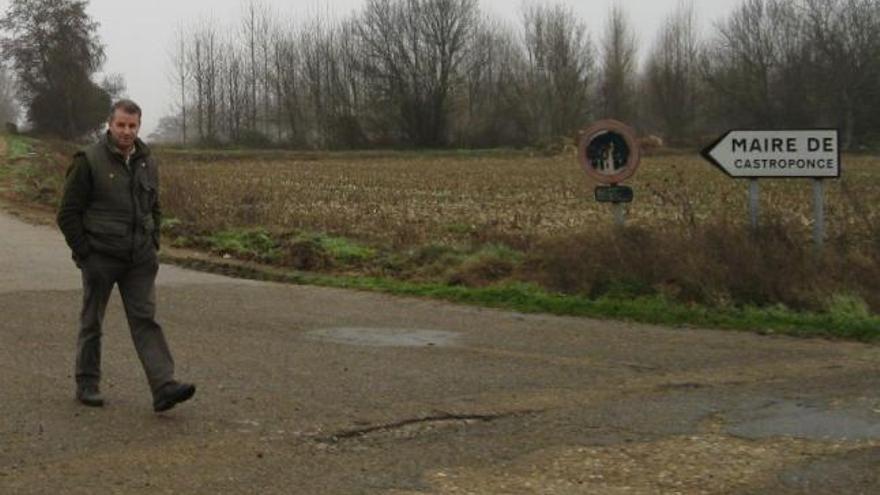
847, 319
19, 146
32, 171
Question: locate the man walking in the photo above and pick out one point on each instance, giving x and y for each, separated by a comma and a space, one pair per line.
110, 216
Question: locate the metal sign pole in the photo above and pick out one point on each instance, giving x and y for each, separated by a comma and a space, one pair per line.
619, 214
818, 215
754, 204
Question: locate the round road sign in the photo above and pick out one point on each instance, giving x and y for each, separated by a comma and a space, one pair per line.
608, 151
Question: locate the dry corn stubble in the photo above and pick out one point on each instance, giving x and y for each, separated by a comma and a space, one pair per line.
686, 234
410, 199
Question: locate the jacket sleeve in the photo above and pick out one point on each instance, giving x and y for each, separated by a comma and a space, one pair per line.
74, 201
157, 214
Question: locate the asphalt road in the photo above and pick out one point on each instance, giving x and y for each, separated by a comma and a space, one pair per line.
310, 391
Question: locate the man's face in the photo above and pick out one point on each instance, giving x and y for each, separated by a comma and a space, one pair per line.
124, 128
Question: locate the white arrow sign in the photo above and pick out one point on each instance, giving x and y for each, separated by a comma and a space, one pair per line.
753, 154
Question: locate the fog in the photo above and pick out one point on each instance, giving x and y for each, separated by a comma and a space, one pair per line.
137, 34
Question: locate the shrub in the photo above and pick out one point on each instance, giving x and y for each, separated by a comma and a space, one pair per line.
253, 244
306, 254
715, 263
489, 265
253, 139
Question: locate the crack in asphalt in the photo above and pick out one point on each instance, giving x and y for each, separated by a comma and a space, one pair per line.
440, 418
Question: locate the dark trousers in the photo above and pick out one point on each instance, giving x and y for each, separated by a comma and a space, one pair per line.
137, 286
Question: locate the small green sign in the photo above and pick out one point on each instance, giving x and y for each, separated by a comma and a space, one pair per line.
614, 194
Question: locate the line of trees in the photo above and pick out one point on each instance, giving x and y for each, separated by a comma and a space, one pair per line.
436, 73
799, 63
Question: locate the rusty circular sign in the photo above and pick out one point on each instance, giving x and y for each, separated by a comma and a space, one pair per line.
608, 151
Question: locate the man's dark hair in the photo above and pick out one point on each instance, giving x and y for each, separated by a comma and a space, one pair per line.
127, 106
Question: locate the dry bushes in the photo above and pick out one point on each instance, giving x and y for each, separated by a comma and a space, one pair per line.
718, 263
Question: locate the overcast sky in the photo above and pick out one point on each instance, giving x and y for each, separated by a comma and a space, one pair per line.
137, 33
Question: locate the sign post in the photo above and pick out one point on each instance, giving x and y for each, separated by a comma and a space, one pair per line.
754, 203
609, 154
619, 213
786, 154
819, 215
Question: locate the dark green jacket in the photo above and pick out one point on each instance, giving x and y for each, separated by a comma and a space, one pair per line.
109, 207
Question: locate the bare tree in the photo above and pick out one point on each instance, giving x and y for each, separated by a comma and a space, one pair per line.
180, 74
250, 29
619, 60
349, 83
671, 77
202, 57
267, 26
488, 110
315, 59
413, 55
434, 73
287, 83
846, 34
196, 61
799, 63
258, 28
752, 65
209, 36
560, 72
233, 92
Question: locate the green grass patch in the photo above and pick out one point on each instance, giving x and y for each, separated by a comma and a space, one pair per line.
257, 244
31, 171
309, 251
528, 298
19, 147
497, 252
37, 182
171, 224
342, 250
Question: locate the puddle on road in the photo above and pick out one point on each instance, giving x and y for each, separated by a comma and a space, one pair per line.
809, 423
385, 337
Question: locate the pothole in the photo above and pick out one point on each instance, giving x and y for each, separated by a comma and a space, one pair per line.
795, 420
385, 337
839, 473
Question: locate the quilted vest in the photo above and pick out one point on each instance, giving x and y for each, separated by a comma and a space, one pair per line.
119, 220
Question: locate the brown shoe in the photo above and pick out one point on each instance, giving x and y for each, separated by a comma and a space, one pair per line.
90, 395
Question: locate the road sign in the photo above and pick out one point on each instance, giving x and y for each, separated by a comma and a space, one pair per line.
781, 154
608, 152
614, 194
